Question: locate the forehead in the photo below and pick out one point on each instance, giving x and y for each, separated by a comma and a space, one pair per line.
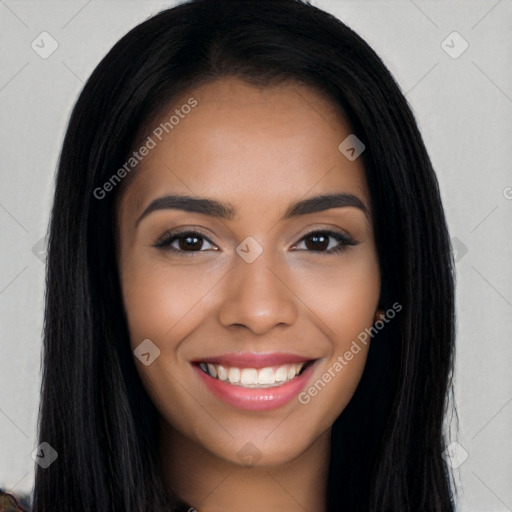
246, 144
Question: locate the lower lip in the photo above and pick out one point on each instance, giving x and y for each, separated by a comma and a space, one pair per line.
256, 399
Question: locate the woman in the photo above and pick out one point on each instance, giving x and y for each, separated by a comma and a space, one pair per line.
250, 296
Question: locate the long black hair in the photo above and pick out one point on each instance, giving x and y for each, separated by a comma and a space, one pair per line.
387, 444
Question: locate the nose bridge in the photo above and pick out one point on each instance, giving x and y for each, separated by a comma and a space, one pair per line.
256, 294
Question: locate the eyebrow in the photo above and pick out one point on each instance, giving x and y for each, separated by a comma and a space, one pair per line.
227, 211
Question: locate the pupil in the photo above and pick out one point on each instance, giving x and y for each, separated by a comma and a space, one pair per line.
316, 238
192, 245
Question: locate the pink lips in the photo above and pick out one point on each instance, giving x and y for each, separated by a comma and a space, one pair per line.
256, 399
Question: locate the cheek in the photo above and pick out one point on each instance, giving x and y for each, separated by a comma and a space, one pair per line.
159, 297
343, 302
162, 303
344, 295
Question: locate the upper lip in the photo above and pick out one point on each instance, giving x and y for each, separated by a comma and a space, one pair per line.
254, 359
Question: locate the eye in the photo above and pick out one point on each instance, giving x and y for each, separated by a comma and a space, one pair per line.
318, 241
187, 241
183, 242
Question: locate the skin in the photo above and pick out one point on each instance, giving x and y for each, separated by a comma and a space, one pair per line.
259, 149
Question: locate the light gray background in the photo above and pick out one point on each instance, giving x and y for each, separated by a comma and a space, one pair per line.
464, 109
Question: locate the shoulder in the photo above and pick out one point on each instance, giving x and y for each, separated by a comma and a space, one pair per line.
11, 503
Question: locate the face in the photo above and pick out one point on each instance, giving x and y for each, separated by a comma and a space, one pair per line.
245, 299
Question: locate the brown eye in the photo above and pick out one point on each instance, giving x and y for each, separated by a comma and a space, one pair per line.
187, 241
319, 241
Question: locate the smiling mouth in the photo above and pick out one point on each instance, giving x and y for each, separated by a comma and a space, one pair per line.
270, 376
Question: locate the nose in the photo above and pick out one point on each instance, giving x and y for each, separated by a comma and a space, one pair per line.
259, 296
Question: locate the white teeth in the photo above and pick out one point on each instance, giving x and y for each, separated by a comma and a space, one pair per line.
266, 376
222, 374
234, 375
281, 374
212, 370
252, 377
249, 376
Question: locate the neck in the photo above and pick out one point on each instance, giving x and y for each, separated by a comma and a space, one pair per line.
212, 484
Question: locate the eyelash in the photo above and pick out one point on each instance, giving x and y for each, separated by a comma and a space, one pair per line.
169, 237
